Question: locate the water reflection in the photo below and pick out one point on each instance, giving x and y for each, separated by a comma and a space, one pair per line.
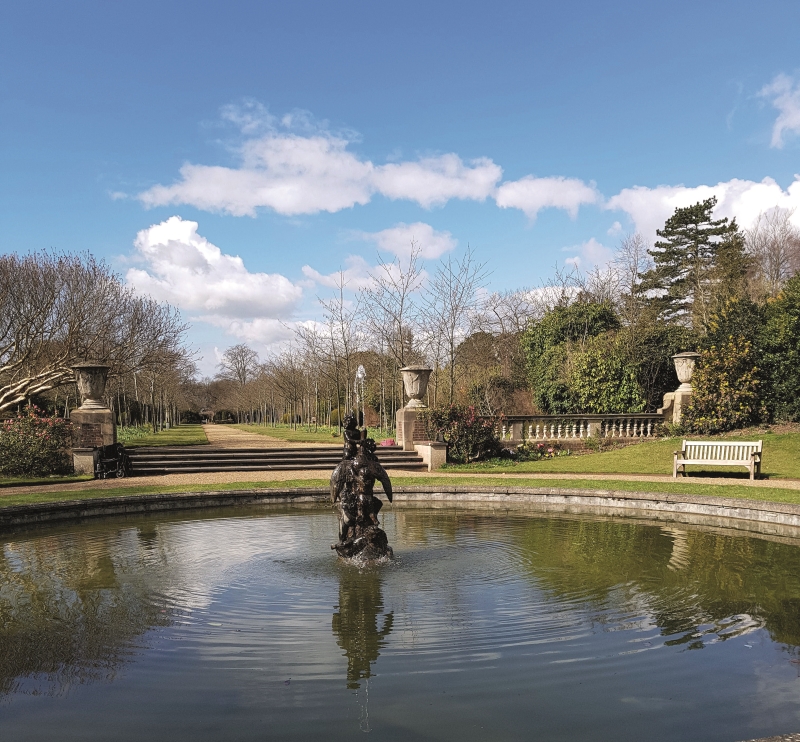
72, 608
696, 586
359, 623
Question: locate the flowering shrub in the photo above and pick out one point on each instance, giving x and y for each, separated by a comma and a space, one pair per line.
34, 445
468, 437
537, 450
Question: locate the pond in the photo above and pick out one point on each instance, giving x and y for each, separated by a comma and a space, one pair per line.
513, 625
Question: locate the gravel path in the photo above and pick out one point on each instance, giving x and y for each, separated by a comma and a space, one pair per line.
224, 436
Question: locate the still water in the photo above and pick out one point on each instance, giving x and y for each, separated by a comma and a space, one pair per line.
512, 626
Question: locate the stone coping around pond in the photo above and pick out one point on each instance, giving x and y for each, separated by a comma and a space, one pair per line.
778, 518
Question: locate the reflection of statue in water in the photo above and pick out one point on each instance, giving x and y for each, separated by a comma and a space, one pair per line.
352, 484
355, 624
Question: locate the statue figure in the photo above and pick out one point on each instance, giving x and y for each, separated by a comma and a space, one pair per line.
352, 485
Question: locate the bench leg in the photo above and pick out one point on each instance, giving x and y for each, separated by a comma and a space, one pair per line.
675, 466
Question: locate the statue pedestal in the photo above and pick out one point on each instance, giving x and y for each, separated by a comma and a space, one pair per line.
409, 429
92, 429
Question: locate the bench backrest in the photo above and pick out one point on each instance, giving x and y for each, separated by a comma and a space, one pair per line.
720, 450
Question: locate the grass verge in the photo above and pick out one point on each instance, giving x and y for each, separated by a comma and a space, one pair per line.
781, 459
766, 494
183, 435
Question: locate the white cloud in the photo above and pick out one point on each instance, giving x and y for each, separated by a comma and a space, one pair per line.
185, 269
590, 254
355, 275
397, 240
433, 181
311, 172
784, 94
649, 208
614, 229
295, 165
268, 333
531, 195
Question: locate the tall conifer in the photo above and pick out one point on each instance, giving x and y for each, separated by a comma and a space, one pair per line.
698, 261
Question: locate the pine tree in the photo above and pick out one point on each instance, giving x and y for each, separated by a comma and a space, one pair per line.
699, 262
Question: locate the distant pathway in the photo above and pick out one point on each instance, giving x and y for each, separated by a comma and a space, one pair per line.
225, 436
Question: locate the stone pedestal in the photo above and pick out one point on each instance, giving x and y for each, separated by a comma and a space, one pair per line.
409, 428
433, 453
84, 460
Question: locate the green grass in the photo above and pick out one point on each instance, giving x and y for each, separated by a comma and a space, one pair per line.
183, 435
781, 459
769, 494
43, 481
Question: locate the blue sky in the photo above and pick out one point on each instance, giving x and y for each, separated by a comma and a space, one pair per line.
229, 157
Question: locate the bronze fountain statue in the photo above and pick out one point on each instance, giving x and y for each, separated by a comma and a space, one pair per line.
352, 484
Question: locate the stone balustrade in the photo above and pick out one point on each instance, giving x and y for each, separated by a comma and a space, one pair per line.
516, 428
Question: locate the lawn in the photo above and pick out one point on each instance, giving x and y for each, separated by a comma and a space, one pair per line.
182, 435
301, 434
686, 487
781, 459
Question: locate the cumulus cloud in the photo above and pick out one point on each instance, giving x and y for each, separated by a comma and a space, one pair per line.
354, 276
649, 208
397, 240
531, 195
590, 254
784, 94
306, 173
185, 269
295, 165
433, 181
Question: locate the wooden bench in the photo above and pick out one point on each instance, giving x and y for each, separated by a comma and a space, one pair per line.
719, 453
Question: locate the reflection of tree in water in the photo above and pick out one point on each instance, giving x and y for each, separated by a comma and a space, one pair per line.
72, 608
355, 624
696, 585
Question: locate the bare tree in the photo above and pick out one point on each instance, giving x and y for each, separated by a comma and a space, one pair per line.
450, 310
58, 309
239, 363
774, 244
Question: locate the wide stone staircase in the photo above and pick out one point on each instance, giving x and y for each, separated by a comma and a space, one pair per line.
199, 459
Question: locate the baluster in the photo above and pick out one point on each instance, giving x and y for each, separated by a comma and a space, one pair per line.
537, 431
503, 437
649, 428
559, 430
580, 430
530, 431
628, 428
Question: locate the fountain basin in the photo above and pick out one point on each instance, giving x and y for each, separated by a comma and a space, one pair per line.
499, 620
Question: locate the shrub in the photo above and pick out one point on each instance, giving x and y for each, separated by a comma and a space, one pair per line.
725, 389
537, 450
34, 445
468, 437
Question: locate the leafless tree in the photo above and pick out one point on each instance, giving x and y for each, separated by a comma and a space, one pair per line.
449, 313
57, 309
239, 363
774, 244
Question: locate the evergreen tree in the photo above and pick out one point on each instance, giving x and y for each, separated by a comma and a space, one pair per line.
698, 262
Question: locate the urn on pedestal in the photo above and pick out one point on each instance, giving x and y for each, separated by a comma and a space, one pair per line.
93, 423
674, 402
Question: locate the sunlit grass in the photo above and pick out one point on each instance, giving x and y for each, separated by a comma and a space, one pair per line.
781, 459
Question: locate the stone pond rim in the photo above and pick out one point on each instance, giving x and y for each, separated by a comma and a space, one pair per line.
768, 518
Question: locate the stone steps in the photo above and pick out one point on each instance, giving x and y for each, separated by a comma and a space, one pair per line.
199, 459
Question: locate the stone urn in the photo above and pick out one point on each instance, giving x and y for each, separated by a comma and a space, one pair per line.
684, 367
91, 379
415, 381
